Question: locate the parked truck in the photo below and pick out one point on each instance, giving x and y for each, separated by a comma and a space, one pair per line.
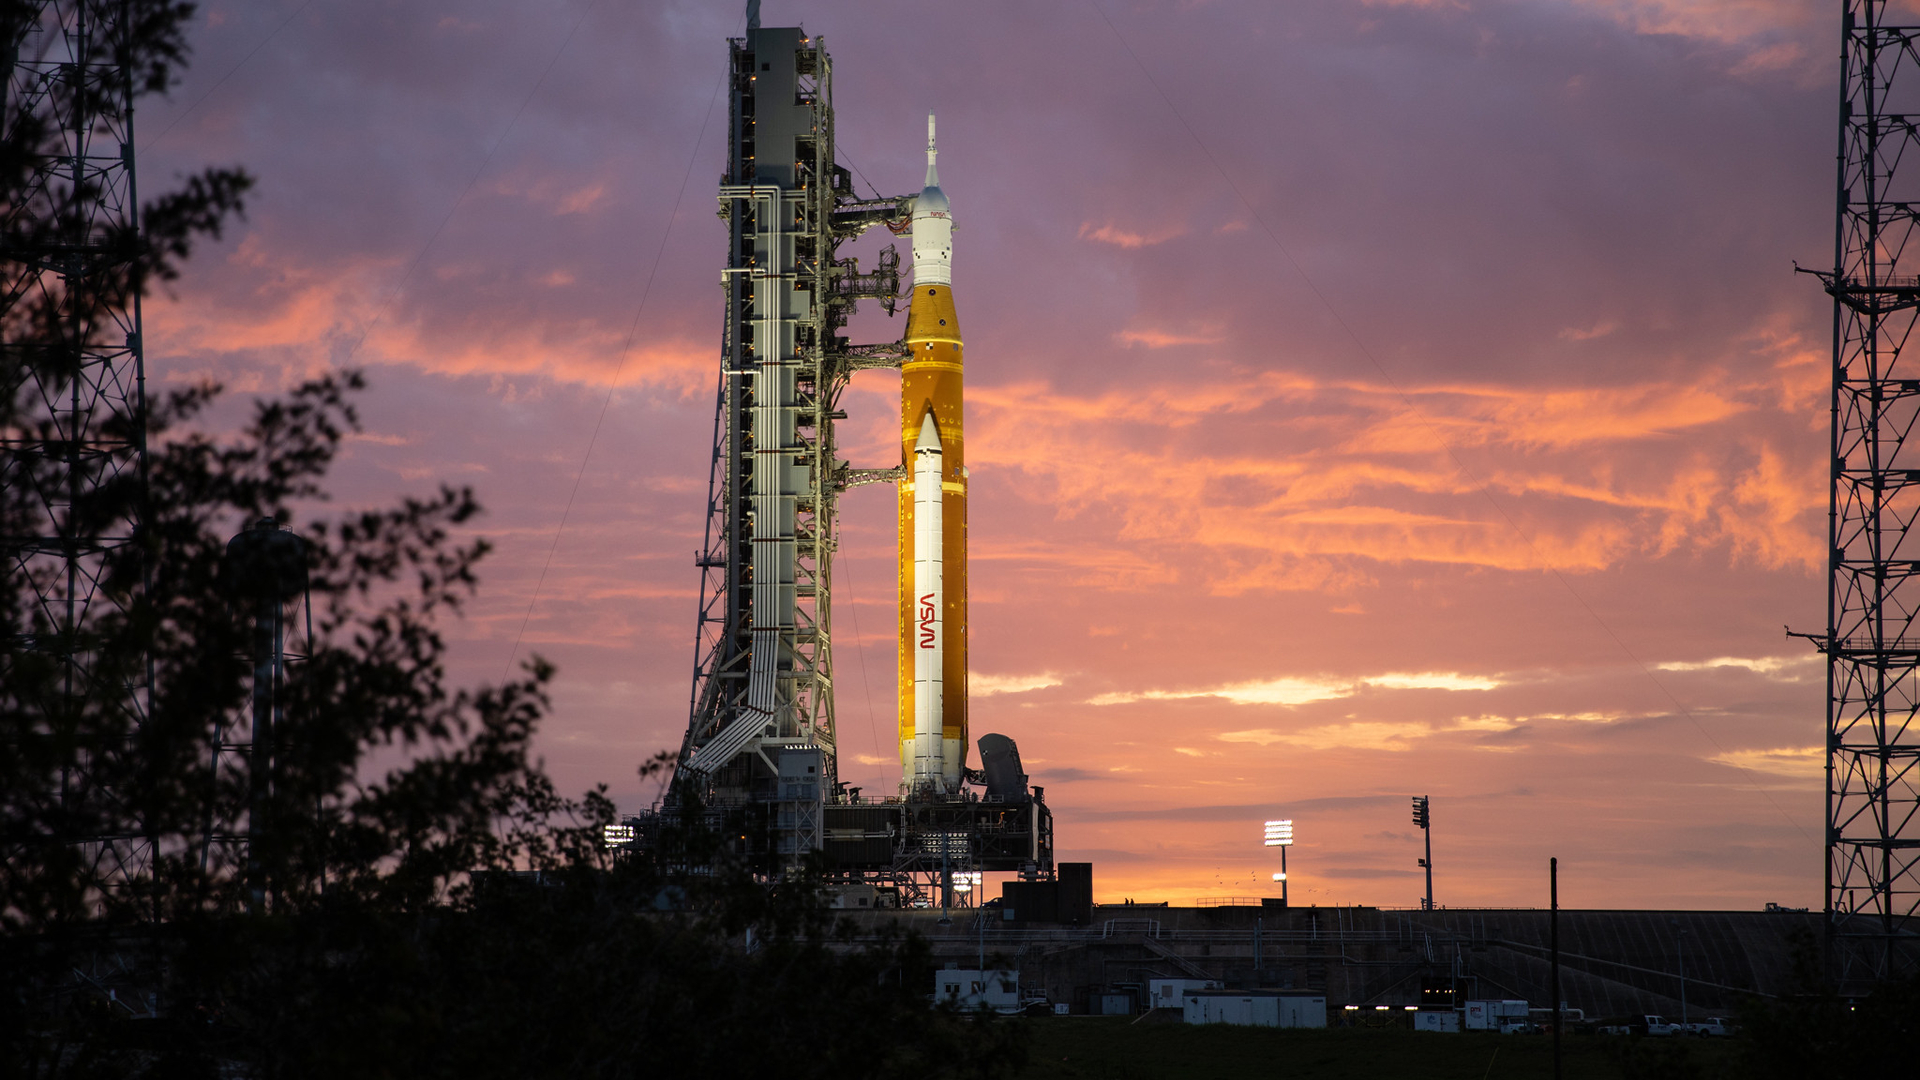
1646, 1024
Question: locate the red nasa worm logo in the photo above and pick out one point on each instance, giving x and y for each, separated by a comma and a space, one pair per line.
927, 613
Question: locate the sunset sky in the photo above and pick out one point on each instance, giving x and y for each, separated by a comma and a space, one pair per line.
1366, 398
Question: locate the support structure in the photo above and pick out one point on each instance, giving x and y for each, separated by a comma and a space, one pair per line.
1871, 643
74, 376
763, 676
758, 768
1423, 819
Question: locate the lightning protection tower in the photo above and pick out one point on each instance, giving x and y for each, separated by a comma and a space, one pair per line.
1871, 644
74, 379
761, 731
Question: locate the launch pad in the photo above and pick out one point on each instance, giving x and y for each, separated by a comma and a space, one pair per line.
759, 763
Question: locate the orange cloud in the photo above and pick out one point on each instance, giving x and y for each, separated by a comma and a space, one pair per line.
309, 318
979, 685
1799, 762
1521, 417
1124, 238
1722, 21
1256, 469
1160, 339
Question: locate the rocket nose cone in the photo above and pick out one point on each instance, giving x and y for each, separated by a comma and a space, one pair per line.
931, 201
929, 434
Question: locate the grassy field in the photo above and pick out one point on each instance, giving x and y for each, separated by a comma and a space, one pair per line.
1103, 1048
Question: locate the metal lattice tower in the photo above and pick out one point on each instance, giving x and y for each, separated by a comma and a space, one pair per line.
76, 376
1872, 645
763, 677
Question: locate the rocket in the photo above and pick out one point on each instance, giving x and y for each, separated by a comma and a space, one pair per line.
933, 511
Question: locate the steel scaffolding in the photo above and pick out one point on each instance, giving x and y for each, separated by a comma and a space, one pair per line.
74, 374
1871, 644
762, 698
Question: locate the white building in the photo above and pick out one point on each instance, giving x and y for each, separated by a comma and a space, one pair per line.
1170, 993
1257, 1009
968, 989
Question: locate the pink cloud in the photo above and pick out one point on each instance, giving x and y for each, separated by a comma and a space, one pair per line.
1125, 238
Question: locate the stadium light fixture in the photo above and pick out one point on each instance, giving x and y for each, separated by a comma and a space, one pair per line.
1280, 835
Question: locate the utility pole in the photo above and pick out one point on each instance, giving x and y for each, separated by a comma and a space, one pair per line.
946, 881
1553, 938
1424, 819
1680, 952
980, 920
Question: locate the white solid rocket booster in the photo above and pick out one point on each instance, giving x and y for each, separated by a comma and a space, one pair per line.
929, 593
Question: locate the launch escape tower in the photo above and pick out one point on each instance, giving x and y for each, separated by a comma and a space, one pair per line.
760, 753
1871, 644
75, 373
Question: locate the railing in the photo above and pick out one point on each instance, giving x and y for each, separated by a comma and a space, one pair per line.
1887, 282
1865, 645
1229, 901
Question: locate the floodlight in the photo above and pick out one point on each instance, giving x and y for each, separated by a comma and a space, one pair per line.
1353, 1008
1280, 835
1411, 1008
1379, 1008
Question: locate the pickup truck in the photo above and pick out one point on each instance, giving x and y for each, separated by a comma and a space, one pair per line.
1642, 1025
1712, 1025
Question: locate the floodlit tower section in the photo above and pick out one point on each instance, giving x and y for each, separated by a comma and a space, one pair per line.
763, 684
1871, 644
933, 614
76, 376
761, 729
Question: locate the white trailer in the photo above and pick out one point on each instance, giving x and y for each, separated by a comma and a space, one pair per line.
969, 989
1254, 1009
1501, 1015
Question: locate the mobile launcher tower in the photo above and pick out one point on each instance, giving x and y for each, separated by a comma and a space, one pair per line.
759, 758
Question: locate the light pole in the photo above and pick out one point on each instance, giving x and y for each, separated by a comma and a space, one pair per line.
946, 881
1424, 818
1680, 953
1280, 835
1553, 899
